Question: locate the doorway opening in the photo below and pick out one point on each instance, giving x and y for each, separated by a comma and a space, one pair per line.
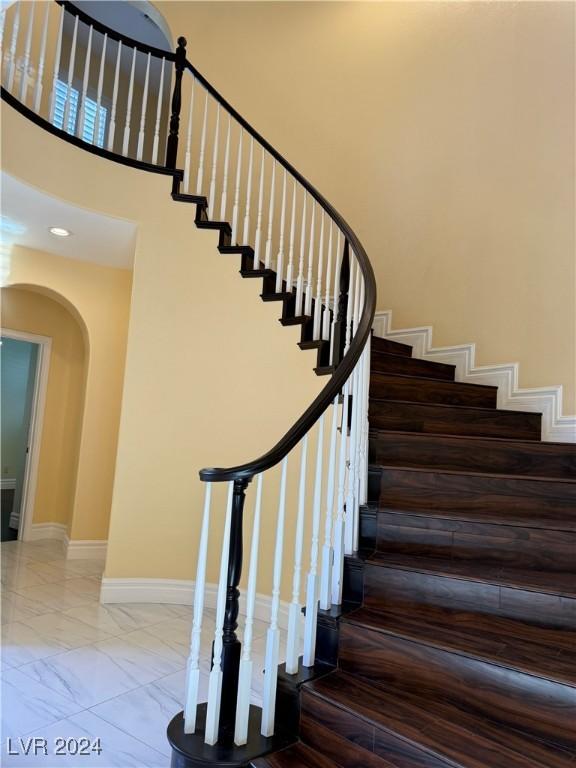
23, 369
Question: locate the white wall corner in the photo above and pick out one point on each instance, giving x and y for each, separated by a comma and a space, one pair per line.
78, 549
180, 592
505, 376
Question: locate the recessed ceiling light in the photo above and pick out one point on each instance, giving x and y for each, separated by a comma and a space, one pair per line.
60, 232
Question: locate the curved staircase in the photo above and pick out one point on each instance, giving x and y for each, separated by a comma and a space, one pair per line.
463, 651
440, 590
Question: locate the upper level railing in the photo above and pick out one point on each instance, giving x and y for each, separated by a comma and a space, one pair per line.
137, 104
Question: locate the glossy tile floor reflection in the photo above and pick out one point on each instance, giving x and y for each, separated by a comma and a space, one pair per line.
72, 667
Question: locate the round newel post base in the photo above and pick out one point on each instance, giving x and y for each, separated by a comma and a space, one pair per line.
190, 751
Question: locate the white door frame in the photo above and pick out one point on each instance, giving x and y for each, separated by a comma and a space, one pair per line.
36, 423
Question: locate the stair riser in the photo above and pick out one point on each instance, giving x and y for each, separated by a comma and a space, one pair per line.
390, 387
456, 454
390, 347
352, 742
541, 707
481, 542
539, 503
446, 420
384, 586
411, 367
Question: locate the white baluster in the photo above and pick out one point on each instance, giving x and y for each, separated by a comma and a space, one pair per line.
98, 117
309, 287
193, 669
215, 148
13, 47
259, 215
26, 67
245, 674
126, 140
327, 552
87, 62
140, 148
300, 278
2, 24
326, 316
352, 468
353, 303
188, 155
294, 612
338, 547
112, 128
215, 681
246, 233
268, 251
224, 196
312, 581
56, 63
200, 178
318, 302
336, 294
71, 63
41, 62
236, 206
364, 441
280, 257
273, 634
290, 270
159, 112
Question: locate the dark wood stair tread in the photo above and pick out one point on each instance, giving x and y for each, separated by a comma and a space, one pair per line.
398, 386
393, 347
297, 756
384, 361
447, 419
442, 732
526, 458
477, 497
548, 582
546, 652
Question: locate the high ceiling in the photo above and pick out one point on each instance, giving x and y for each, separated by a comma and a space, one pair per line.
137, 19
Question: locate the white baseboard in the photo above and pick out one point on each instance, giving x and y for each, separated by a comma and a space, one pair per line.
55, 531
77, 549
544, 400
8, 484
178, 592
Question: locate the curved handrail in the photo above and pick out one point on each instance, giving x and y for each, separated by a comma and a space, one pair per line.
363, 328
344, 370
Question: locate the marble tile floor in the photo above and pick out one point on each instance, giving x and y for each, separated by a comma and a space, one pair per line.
73, 668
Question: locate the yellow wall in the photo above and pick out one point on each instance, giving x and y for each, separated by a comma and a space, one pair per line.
101, 298
211, 378
453, 129
26, 310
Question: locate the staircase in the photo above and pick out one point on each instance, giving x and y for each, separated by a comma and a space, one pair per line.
463, 651
437, 571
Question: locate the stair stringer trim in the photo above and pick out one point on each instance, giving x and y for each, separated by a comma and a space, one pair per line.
505, 376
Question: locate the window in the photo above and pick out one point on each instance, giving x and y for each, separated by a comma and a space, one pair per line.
90, 110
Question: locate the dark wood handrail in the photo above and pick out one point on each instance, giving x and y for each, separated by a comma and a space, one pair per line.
363, 329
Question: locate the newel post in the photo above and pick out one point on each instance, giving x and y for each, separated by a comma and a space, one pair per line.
179, 65
231, 644
342, 308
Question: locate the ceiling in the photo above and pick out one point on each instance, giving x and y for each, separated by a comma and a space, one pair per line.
137, 19
28, 214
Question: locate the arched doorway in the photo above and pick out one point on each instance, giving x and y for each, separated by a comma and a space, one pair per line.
41, 442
